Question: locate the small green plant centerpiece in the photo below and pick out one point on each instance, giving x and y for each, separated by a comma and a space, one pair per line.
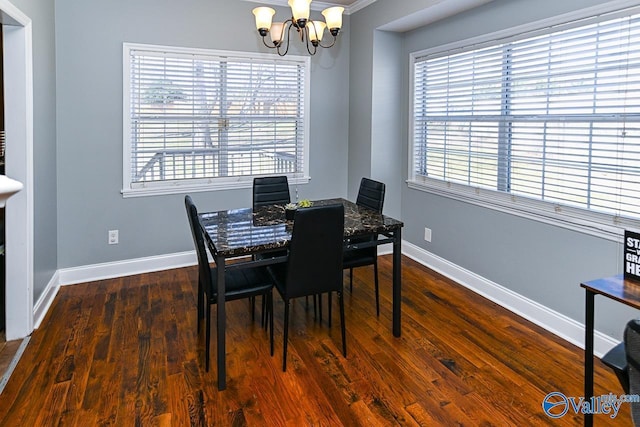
290, 208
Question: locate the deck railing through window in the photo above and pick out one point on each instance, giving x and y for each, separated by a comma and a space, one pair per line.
205, 162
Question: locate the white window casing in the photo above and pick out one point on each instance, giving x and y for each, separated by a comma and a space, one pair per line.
542, 122
199, 119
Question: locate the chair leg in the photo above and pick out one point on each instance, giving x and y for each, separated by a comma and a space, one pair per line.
329, 302
320, 307
315, 307
343, 329
207, 345
375, 272
200, 305
270, 296
351, 280
286, 335
265, 311
252, 302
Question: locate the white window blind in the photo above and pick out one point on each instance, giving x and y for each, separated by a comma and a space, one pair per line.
201, 116
552, 117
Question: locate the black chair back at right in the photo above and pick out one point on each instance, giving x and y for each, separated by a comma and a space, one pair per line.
371, 194
270, 190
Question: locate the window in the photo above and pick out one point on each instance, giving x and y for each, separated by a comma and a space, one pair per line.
546, 122
206, 119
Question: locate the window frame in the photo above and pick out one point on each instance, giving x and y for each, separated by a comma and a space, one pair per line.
603, 225
153, 188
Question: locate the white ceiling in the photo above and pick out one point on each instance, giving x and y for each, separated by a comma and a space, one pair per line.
433, 10
350, 6
345, 3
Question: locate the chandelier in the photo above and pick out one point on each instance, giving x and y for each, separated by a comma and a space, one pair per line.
310, 31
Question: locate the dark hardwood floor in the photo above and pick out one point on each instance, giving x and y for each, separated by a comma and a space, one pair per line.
125, 352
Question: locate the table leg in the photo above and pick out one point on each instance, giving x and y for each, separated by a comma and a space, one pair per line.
397, 281
588, 353
221, 327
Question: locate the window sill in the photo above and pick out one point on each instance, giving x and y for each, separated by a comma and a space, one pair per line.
178, 187
605, 226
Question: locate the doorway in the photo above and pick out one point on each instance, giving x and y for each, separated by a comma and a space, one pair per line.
18, 118
2, 247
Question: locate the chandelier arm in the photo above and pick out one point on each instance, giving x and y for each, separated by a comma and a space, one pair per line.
331, 45
290, 21
267, 45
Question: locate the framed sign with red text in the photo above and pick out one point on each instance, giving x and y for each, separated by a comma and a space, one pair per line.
631, 255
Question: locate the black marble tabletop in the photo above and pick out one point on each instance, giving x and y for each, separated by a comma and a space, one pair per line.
238, 232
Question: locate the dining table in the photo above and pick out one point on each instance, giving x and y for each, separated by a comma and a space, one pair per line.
244, 233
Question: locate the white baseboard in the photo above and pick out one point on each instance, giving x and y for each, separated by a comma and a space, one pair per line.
554, 322
551, 320
46, 298
110, 270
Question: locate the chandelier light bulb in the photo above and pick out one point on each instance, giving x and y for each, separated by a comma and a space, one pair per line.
277, 32
316, 29
300, 10
263, 15
333, 16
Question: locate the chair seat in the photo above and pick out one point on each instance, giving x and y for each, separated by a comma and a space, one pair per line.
616, 358
359, 257
278, 253
278, 274
242, 283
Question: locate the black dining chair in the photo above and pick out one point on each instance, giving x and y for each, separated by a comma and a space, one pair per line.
370, 195
270, 190
624, 359
315, 262
632, 353
239, 283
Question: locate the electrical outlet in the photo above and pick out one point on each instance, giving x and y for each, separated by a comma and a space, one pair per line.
427, 234
113, 237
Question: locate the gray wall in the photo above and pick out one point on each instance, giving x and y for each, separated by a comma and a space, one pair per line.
387, 123
89, 41
539, 261
77, 186
41, 13
376, 116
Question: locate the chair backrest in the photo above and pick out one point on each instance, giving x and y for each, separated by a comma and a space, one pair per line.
270, 190
371, 194
315, 252
632, 351
204, 271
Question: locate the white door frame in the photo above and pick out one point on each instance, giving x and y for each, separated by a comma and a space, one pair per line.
18, 109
